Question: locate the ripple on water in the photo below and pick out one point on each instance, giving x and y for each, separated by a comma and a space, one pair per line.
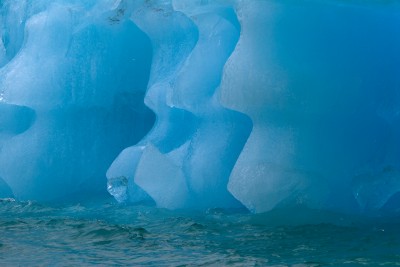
110, 234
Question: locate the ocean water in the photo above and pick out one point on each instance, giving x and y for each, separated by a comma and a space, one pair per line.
109, 234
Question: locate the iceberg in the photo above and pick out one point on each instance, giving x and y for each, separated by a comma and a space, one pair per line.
197, 104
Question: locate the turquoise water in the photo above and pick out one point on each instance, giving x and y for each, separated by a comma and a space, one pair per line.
109, 234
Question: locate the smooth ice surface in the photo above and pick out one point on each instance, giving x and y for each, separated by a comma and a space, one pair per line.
261, 104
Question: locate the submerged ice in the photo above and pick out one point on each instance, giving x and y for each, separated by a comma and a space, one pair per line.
202, 104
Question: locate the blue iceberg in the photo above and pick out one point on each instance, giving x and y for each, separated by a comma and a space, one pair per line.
259, 104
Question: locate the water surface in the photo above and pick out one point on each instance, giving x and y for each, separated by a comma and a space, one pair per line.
34, 234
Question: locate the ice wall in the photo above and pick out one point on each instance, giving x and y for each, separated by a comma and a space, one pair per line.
259, 104
71, 95
323, 79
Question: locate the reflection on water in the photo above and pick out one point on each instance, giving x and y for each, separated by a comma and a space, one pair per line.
111, 234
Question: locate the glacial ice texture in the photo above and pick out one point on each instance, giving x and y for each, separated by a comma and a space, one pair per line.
196, 104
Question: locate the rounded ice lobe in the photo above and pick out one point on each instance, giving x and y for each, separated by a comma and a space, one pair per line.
186, 159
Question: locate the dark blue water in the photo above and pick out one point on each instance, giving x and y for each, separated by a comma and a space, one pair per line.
110, 234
